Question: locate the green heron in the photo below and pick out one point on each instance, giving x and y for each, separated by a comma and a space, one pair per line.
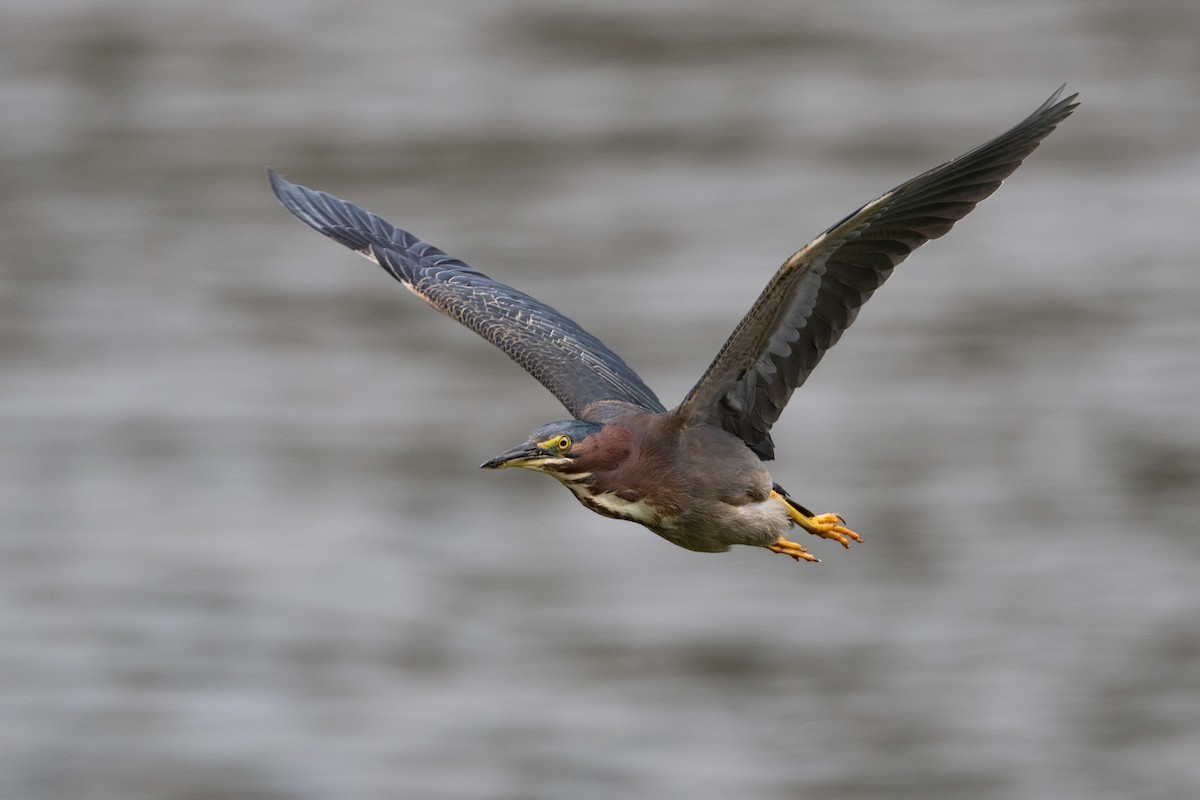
693, 474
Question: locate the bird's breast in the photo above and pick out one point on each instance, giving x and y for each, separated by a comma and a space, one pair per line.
611, 504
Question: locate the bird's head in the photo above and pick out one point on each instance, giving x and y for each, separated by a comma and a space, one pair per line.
558, 449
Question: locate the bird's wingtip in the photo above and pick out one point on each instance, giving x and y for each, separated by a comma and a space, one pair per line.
1070, 100
279, 185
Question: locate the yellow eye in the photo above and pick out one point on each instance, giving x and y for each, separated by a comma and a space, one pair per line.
563, 443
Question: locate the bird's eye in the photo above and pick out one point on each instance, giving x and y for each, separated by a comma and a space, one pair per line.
563, 444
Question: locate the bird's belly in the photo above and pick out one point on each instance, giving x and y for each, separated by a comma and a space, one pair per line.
708, 530
713, 531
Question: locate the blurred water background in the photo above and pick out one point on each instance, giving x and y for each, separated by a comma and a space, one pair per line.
245, 549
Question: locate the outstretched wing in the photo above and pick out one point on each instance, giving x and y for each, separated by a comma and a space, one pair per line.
818, 291
574, 365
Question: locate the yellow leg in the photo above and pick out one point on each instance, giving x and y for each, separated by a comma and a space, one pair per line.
827, 526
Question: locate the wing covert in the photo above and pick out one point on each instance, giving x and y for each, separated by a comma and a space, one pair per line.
577, 368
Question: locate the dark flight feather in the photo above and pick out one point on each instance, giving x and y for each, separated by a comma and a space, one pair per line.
819, 290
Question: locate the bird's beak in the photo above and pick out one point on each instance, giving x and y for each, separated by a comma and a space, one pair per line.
520, 456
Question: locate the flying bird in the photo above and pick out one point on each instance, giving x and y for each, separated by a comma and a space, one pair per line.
693, 474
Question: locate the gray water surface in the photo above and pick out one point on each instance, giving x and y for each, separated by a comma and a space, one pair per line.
245, 551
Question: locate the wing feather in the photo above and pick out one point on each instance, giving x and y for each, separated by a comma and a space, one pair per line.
587, 377
819, 290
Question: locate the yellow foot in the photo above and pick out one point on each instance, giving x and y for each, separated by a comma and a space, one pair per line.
827, 526
791, 549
